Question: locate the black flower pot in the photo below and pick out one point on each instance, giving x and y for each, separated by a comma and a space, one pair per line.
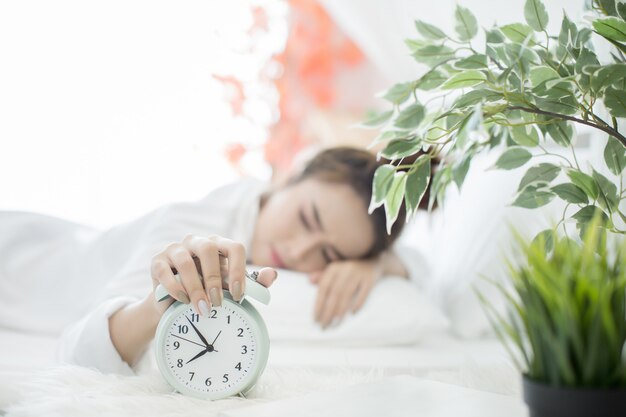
547, 401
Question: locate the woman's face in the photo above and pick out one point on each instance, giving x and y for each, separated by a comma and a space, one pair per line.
306, 225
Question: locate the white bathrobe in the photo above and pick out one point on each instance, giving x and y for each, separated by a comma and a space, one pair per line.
61, 277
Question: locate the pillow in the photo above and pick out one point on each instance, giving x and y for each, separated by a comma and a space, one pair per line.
395, 313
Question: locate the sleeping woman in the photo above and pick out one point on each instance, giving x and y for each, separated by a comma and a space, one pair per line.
96, 287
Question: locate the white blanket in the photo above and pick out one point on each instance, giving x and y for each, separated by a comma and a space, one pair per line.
397, 332
293, 370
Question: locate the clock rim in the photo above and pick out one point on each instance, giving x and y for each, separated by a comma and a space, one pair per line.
262, 349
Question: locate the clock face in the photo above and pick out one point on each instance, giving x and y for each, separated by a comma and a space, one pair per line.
210, 357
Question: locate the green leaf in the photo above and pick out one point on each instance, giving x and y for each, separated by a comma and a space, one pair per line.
410, 117
476, 96
388, 135
607, 75
570, 193
568, 32
585, 182
466, 26
533, 196
567, 105
586, 57
464, 79
415, 44
542, 73
394, 199
615, 155
432, 79
477, 61
544, 240
416, 184
521, 55
433, 54
561, 132
608, 197
587, 213
615, 101
583, 37
383, 177
377, 120
517, 32
400, 148
607, 7
440, 182
543, 172
611, 28
536, 15
429, 31
513, 158
494, 36
459, 170
525, 135
621, 10
399, 93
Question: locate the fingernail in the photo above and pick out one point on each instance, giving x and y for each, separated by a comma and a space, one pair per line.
204, 308
275, 276
183, 297
216, 300
236, 291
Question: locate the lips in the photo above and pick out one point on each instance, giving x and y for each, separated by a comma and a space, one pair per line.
276, 259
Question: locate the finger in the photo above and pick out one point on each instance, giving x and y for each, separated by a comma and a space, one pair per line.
361, 295
180, 257
267, 276
323, 288
346, 299
235, 252
207, 251
334, 299
314, 277
162, 274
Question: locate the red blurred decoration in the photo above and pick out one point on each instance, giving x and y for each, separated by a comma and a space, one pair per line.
316, 51
234, 93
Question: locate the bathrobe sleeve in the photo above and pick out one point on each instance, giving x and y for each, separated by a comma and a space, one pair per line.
125, 253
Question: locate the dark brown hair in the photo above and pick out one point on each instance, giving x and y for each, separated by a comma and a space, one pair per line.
356, 167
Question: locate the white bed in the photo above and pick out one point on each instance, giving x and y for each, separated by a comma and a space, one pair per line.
403, 329
303, 359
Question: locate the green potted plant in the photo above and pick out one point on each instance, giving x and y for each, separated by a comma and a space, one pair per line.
523, 90
566, 324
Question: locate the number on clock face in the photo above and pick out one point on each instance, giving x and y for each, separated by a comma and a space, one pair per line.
211, 354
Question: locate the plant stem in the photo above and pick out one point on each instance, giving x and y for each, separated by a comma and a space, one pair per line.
574, 156
605, 128
546, 153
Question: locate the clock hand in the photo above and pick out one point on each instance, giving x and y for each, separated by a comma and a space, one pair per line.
218, 335
190, 341
198, 355
206, 344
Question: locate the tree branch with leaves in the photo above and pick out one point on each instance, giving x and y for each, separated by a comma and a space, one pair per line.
522, 90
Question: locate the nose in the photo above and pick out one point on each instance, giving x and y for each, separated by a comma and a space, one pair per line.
301, 248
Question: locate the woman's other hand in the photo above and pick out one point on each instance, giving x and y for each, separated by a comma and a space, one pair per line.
343, 286
203, 263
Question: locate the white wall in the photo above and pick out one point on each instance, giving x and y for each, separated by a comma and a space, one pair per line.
380, 27
108, 109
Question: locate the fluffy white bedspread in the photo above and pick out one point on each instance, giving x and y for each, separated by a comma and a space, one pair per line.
73, 391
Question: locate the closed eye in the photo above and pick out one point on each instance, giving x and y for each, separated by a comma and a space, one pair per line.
327, 258
303, 219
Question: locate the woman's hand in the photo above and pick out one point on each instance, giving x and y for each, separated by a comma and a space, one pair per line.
204, 265
343, 286
201, 263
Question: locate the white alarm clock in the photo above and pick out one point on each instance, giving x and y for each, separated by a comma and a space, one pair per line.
217, 356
